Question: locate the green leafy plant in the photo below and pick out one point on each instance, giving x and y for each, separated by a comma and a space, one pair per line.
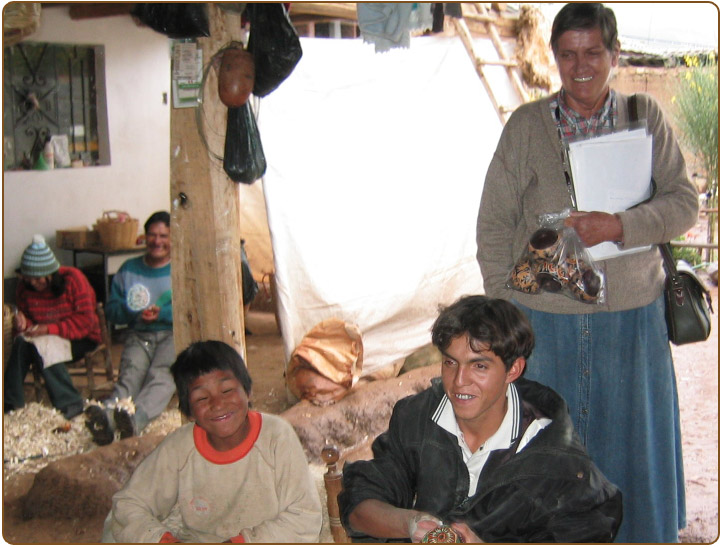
690, 255
697, 116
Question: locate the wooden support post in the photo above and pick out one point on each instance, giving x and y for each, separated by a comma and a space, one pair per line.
205, 218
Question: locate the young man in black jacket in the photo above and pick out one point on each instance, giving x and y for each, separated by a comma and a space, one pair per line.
483, 451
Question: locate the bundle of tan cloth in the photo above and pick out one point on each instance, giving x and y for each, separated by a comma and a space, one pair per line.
328, 363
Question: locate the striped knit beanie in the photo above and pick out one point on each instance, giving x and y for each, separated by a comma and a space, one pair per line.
38, 260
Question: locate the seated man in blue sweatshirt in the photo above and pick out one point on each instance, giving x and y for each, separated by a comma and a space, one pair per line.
140, 297
482, 454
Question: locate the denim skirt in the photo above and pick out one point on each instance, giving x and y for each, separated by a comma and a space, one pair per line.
616, 373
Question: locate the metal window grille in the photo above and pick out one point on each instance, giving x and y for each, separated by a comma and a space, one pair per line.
51, 89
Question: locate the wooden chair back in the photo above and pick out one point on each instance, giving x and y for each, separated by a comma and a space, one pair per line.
96, 361
333, 481
101, 355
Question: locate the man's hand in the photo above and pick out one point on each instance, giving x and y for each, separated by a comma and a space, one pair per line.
150, 314
36, 330
382, 520
595, 227
20, 322
420, 524
466, 533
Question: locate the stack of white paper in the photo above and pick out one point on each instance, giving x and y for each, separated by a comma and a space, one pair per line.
612, 173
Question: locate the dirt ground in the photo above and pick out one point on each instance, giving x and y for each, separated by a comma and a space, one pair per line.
697, 376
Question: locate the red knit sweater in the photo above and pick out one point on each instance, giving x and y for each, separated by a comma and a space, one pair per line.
71, 315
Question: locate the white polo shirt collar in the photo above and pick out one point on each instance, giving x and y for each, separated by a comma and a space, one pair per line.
504, 437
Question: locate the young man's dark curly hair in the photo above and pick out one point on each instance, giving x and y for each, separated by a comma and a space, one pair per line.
490, 322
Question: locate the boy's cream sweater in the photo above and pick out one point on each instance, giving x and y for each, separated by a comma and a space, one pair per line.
265, 495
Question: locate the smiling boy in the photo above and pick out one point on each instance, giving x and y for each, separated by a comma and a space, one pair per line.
232, 475
482, 450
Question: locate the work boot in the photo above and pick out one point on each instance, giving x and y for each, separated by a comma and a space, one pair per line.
98, 424
124, 422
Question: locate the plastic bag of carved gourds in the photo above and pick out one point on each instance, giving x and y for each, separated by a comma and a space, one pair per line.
556, 261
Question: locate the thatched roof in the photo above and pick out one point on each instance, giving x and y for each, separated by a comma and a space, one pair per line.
659, 53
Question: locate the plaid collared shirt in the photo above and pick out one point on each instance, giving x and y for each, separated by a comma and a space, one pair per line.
572, 124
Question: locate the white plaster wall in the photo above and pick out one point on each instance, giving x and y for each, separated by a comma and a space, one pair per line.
137, 74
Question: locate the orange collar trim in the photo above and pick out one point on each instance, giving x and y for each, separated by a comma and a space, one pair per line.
200, 438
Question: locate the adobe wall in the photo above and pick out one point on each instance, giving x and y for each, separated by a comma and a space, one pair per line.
662, 84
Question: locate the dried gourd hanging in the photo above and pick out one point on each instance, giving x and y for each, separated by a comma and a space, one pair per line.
236, 76
243, 158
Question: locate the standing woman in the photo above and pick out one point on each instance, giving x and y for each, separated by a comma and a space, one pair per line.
611, 362
56, 316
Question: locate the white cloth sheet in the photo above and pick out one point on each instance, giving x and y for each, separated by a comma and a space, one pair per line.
375, 171
53, 349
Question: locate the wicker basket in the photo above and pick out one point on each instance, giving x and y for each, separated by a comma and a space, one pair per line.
117, 230
20, 19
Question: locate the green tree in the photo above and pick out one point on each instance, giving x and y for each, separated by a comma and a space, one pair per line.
697, 116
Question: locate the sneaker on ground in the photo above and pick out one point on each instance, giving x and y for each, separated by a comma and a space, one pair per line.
99, 426
124, 423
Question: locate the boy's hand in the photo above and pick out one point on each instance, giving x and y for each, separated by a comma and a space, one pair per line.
168, 537
150, 314
466, 533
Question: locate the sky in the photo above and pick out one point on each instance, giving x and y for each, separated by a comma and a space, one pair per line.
686, 22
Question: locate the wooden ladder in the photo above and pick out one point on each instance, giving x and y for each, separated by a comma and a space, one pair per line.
481, 14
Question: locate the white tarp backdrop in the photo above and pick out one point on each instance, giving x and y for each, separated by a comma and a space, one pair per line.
375, 170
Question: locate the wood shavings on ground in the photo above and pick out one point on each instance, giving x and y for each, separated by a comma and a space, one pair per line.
165, 423
30, 443
126, 404
36, 435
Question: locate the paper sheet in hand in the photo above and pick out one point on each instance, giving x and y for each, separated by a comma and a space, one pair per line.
53, 349
611, 174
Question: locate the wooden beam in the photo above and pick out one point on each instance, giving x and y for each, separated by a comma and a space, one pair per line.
694, 244
498, 62
91, 10
205, 218
480, 17
334, 10
505, 26
477, 21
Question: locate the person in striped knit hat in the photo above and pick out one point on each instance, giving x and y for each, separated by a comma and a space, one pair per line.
55, 323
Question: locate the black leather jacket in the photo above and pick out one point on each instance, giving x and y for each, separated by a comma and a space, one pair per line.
548, 492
